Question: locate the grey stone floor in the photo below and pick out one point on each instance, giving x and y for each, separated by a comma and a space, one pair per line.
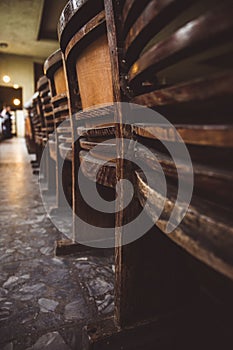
44, 301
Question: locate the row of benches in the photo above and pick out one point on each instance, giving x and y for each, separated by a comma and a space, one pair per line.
174, 57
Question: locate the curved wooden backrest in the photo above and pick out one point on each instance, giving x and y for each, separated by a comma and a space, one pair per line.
178, 61
53, 68
86, 50
45, 108
55, 72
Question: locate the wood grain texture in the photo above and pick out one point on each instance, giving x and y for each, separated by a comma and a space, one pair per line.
84, 32
98, 132
155, 16
210, 182
202, 89
194, 37
206, 135
95, 83
104, 150
65, 151
205, 232
67, 138
59, 98
106, 174
60, 81
52, 149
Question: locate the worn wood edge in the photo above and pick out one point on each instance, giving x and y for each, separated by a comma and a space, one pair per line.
67, 13
53, 63
180, 234
65, 138
52, 149
97, 112
106, 173
89, 27
207, 135
195, 32
218, 85
100, 131
65, 151
149, 14
59, 98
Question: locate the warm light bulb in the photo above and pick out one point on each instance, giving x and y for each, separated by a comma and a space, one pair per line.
6, 79
15, 86
16, 102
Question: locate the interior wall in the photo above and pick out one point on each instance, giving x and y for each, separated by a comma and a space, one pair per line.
21, 71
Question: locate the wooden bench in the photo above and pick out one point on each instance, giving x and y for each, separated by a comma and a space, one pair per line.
29, 129
45, 112
83, 39
62, 143
174, 57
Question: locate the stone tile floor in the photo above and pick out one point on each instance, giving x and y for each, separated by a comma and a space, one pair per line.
44, 301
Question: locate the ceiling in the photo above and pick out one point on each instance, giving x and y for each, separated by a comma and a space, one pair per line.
29, 27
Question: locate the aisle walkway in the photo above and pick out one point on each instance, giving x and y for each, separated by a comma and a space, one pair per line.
44, 301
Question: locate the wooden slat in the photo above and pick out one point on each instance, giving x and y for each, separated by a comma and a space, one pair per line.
48, 114
130, 11
206, 231
64, 130
106, 174
154, 17
65, 139
196, 90
101, 132
106, 111
104, 150
52, 149
89, 27
59, 98
209, 182
42, 82
94, 80
190, 39
53, 62
44, 92
61, 109
207, 135
65, 151
68, 12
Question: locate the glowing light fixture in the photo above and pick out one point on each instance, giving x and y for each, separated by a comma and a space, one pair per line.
16, 102
15, 86
6, 79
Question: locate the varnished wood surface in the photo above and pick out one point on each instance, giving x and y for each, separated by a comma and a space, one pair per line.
74, 16
98, 132
88, 28
106, 173
52, 149
96, 113
61, 109
95, 83
210, 182
52, 63
185, 42
59, 98
42, 82
202, 89
105, 150
64, 130
60, 81
67, 13
153, 18
207, 135
65, 138
200, 229
65, 151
